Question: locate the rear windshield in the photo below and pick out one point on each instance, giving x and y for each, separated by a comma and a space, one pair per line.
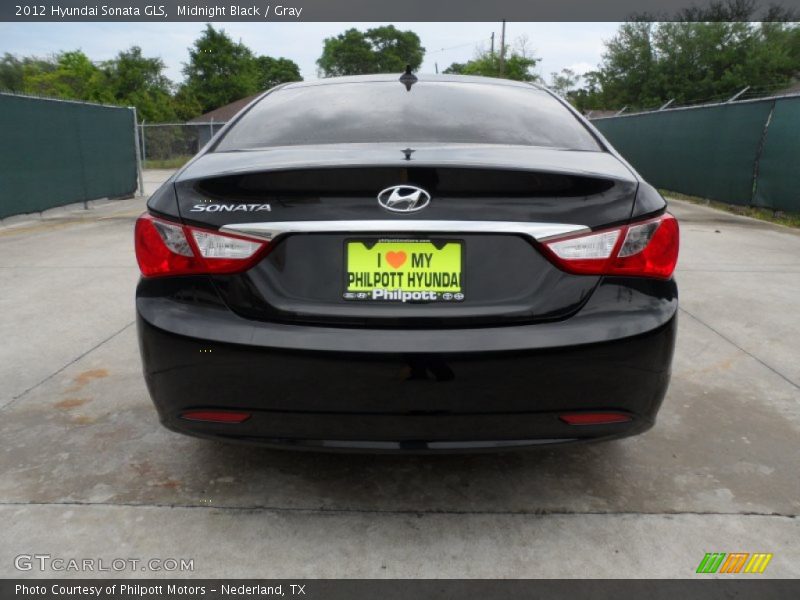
384, 111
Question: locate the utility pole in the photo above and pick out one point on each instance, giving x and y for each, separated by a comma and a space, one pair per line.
493, 43
436, 66
502, 48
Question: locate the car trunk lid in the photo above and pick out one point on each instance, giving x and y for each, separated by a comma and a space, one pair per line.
489, 205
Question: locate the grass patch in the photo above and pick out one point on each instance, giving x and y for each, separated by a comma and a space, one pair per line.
782, 217
166, 163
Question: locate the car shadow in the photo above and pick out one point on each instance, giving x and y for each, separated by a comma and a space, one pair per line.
539, 480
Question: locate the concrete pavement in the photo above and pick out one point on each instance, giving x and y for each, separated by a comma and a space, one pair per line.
86, 471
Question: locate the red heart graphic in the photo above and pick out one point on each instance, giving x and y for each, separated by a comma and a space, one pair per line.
396, 259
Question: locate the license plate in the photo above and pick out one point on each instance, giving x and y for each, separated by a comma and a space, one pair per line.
404, 270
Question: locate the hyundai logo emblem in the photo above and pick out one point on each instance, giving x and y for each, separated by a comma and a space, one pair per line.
404, 198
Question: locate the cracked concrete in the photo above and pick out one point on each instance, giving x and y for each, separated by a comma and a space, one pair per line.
86, 470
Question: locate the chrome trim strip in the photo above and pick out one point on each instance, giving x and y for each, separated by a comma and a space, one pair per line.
275, 229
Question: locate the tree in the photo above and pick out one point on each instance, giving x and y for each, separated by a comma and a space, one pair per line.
274, 71
135, 80
12, 73
394, 49
627, 75
727, 10
518, 65
185, 104
378, 50
562, 83
647, 64
70, 75
129, 79
221, 71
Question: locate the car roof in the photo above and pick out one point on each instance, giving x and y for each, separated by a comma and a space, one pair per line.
421, 78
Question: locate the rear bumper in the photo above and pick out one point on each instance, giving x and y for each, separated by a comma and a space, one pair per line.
426, 390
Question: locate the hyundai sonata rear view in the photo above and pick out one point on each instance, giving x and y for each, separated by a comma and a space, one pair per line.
403, 263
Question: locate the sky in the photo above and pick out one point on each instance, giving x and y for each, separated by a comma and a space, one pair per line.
578, 46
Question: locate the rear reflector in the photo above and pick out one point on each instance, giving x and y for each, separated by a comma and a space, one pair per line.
167, 248
595, 418
216, 416
644, 249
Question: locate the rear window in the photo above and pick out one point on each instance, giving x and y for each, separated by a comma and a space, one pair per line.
431, 112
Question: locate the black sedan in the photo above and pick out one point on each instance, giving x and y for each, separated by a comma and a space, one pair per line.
432, 263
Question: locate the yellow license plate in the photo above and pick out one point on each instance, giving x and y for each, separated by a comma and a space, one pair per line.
404, 270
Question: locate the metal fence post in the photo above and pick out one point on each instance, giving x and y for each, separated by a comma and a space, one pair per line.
737, 94
144, 141
760, 152
136, 148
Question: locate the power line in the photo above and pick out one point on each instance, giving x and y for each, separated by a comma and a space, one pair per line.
459, 46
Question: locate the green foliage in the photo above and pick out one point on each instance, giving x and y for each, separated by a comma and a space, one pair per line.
130, 79
348, 53
135, 80
274, 71
647, 63
71, 75
518, 65
12, 72
186, 105
221, 71
378, 50
563, 82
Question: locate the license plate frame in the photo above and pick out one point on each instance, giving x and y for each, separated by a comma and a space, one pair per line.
437, 287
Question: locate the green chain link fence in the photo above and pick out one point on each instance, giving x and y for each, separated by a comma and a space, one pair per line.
744, 152
54, 152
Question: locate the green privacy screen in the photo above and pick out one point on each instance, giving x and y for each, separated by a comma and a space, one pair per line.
778, 182
53, 153
740, 153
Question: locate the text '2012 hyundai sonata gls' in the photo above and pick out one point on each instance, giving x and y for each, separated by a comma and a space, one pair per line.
432, 263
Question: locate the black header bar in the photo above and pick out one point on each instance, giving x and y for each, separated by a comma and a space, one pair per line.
368, 10
394, 589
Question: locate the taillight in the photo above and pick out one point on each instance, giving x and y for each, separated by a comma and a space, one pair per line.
167, 248
644, 249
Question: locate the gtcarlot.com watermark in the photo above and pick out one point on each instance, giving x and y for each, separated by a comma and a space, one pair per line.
58, 564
